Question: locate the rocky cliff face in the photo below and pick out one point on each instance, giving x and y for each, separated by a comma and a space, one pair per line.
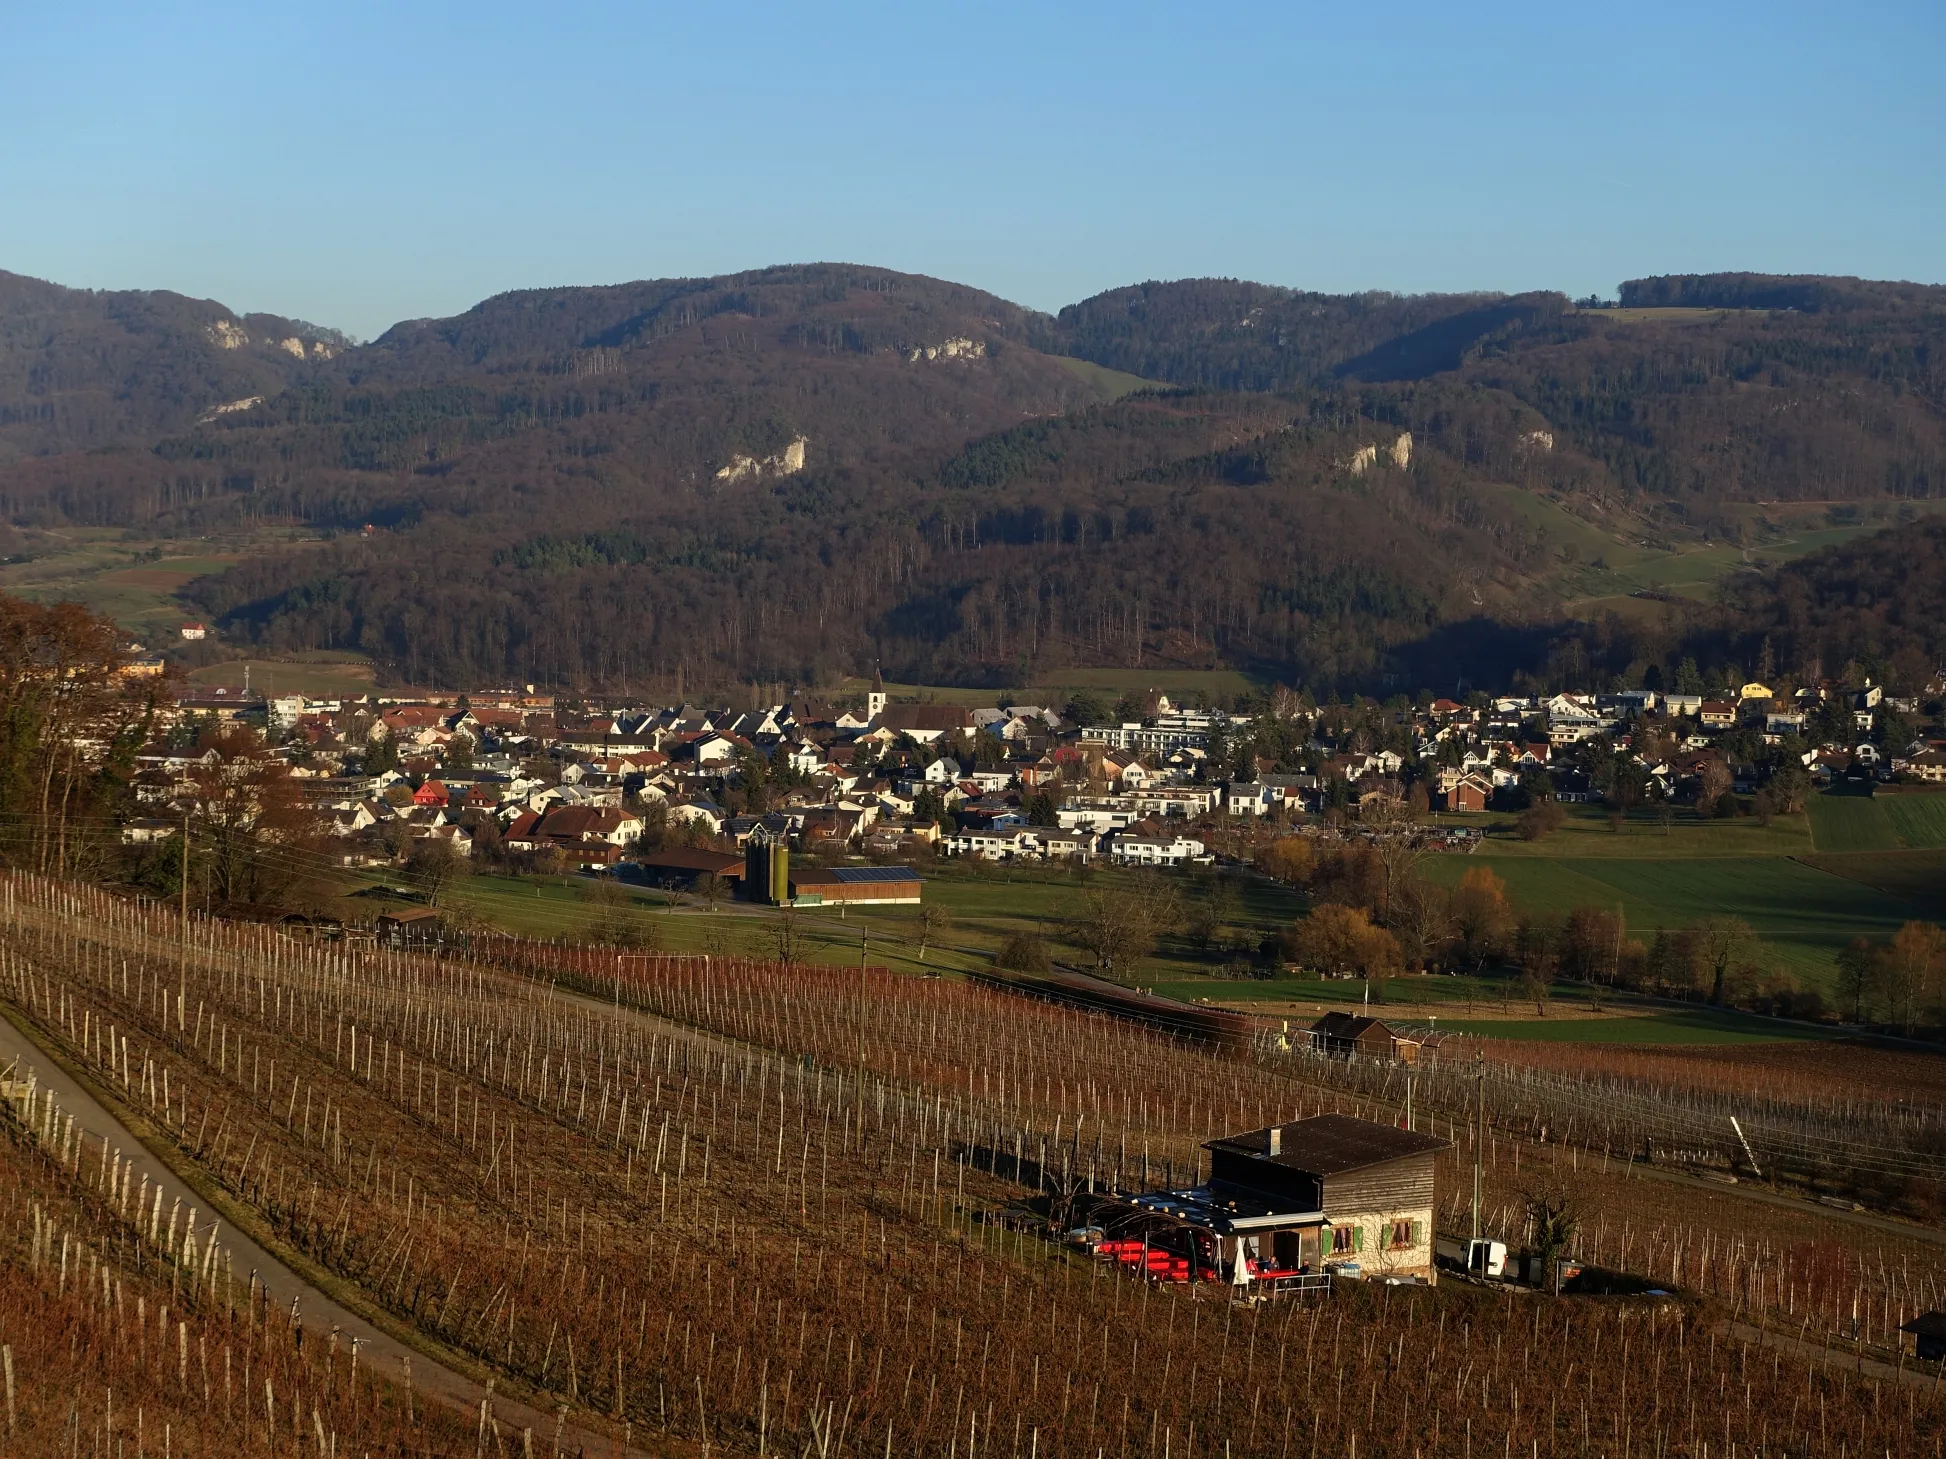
787, 462
949, 349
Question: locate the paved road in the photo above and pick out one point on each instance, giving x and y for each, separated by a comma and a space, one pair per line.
377, 1347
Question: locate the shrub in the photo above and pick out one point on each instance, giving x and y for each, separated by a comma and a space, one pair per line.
1023, 953
1542, 818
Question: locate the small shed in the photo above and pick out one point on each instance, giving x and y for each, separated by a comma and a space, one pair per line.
408, 925
1345, 1034
1928, 1330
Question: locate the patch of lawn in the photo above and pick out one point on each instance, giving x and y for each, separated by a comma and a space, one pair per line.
1113, 384
985, 905
1851, 823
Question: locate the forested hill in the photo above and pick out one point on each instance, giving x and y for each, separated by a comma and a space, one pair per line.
795, 471
1701, 390
1229, 335
1879, 602
80, 368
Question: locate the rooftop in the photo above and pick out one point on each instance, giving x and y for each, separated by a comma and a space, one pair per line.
810, 875
1330, 1144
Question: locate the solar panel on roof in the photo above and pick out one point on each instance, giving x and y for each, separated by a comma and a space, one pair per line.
874, 873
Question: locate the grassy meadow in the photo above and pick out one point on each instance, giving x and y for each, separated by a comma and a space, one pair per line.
318, 675
1851, 866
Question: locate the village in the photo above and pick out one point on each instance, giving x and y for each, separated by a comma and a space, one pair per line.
678, 791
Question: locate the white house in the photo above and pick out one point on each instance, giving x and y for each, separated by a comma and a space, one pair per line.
1156, 850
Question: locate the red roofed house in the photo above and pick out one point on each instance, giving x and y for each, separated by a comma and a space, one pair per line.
571, 823
1469, 794
519, 835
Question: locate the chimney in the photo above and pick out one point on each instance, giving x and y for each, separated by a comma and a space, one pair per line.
1276, 1141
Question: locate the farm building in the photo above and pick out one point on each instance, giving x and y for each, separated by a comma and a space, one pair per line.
684, 866
1346, 1034
854, 885
1294, 1204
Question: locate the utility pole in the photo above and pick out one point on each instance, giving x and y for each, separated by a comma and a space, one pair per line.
185, 897
1479, 1137
864, 944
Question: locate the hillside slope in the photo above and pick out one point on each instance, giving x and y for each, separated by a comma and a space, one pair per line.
80, 368
795, 471
1704, 390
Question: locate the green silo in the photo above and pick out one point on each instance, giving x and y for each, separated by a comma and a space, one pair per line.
780, 874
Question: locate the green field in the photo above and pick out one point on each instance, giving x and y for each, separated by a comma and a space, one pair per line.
1852, 823
320, 676
113, 573
1113, 384
1802, 913
985, 905
1915, 877
1919, 817
1598, 564
1588, 832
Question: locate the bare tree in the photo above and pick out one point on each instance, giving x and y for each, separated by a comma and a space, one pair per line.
1120, 924
248, 821
614, 922
431, 866
1722, 943
1914, 964
933, 921
787, 935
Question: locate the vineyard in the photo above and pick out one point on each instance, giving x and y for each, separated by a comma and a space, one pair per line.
112, 1343
709, 1203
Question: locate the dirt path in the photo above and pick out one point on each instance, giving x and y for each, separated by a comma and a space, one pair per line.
377, 1346
1834, 1356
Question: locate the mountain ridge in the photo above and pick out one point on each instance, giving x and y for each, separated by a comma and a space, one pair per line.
792, 471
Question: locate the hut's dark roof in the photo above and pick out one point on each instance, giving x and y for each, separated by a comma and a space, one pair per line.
1330, 1144
1349, 1026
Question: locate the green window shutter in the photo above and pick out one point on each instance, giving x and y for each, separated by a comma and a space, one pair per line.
1358, 1238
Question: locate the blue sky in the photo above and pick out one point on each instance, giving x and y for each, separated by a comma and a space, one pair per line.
358, 163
